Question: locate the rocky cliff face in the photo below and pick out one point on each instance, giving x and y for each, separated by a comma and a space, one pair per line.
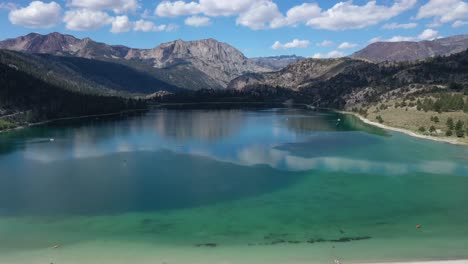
219, 61
276, 63
59, 44
412, 51
296, 75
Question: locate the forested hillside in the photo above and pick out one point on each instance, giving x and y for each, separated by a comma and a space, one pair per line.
85, 75
26, 99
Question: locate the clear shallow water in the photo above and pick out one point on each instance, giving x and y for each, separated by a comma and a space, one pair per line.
264, 186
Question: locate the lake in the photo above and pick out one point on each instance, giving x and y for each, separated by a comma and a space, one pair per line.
229, 186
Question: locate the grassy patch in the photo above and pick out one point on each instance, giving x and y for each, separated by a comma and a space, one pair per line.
4, 125
445, 124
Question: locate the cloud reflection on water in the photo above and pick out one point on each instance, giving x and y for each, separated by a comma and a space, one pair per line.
287, 142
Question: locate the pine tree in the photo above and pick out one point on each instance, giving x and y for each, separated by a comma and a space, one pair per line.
450, 123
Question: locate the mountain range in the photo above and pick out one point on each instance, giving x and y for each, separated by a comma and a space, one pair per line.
183, 64
412, 51
87, 65
56, 75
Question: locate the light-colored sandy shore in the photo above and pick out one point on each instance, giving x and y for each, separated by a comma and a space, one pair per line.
453, 141
463, 261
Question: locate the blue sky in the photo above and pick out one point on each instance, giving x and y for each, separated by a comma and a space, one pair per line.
321, 28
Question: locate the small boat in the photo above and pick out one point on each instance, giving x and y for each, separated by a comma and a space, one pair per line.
51, 140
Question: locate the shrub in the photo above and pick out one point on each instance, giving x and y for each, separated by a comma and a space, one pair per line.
4, 125
432, 129
422, 129
379, 118
449, 133
459, 125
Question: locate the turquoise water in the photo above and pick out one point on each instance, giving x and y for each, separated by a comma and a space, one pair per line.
229, 186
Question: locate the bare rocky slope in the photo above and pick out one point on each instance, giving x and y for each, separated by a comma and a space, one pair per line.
412, 51
297, 75
341, 83
276, 63
218, 63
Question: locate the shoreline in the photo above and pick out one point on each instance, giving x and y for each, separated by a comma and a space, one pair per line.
452, 141
70, 118
459, 261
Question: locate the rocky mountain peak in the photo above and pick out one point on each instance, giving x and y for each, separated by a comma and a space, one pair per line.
219, 61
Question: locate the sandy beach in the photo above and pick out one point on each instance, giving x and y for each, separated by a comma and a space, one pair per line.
427, 262
453, 141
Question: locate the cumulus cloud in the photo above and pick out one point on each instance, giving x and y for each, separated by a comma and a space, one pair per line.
227, 7
255, 14
459, 23
259, 16
331, 54
295, 15
399, 26
86, 19
347, 45
296, 43
444, 10
177, 8
8, 6
346, 15
121, 24
198, 21
325, 43
428, 34
207, 7
148, 26
373, 40
36, 15
118, 6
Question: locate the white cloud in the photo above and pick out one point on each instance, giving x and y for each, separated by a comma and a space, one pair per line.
346, 15
347, 45
37, 15
171, 27
398, 26
118, 6
259, 15
325, 43
297, 14
8, 6
428, 34
148, 26
444, 10
227, 7
177, 8
262, 14
373, 40
331, 54
86, 19
400, 38
296, 43
198, 21
459, 23
435, 23
121, 24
